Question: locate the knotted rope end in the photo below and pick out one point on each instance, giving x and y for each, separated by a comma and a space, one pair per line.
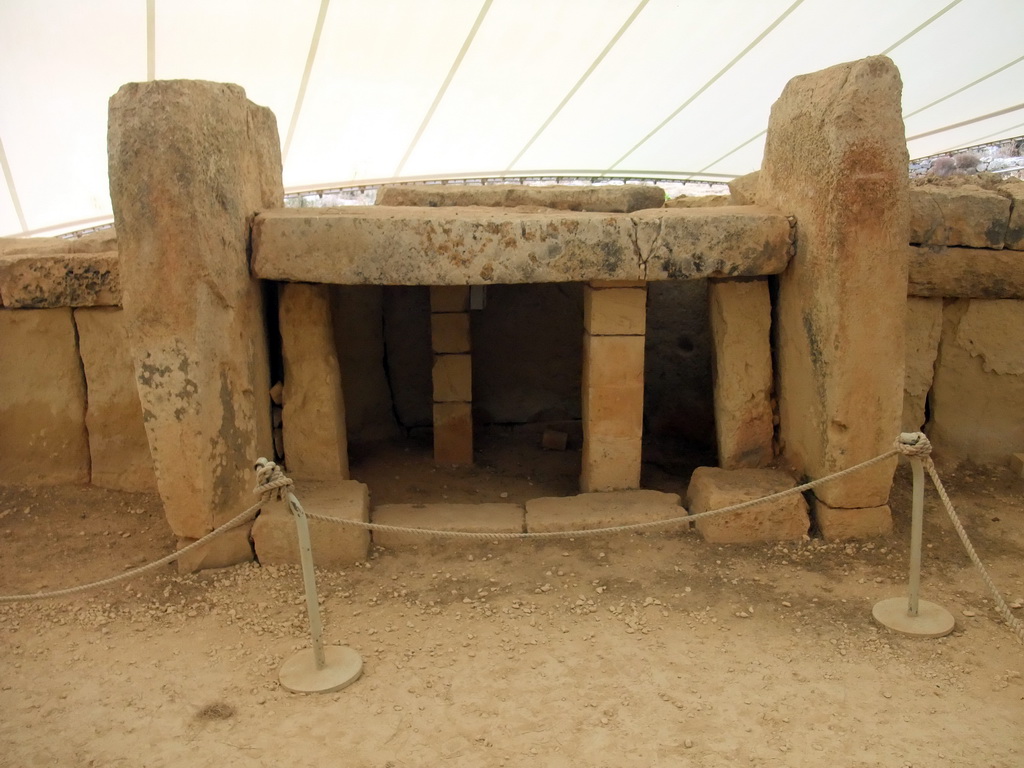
914, 444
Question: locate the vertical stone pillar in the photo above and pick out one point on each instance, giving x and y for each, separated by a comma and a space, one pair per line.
190, 164
836, 159
614, 325
452, 374
313, 419
741, 319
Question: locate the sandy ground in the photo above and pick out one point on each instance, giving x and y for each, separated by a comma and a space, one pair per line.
633, 651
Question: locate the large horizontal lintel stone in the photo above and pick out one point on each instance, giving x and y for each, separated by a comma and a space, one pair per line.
619, 199
480, 246
41, 279
966, 273
725, 241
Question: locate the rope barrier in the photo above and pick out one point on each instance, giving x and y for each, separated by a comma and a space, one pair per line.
503, 536
1001, 607
271, 482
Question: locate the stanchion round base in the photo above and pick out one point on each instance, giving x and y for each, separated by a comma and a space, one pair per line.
299, 674
931, 621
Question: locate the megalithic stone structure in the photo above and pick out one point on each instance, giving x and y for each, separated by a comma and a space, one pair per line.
836, 158
190, 164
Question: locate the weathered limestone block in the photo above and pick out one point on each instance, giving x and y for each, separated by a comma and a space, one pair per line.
470, 246
453, 379
449, 298
1013, 190
102, 241
730, 241
837, 524
699, 201
1017, 464
453, 433
744, 189
614, 412
966, 273
741, 319
836, 159
449, 332
613, 361
967, 215
475, 518
117, 437
924, 326
43, 439
614, 311
612, 401
190, 164
40, 280
616, 199
610, 463
603, 510
978, 394
315, 442
231, 547
276, 539
714, 488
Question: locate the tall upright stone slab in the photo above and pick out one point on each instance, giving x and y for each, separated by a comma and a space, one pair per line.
836, 159
190, 164
741, 319
315, 443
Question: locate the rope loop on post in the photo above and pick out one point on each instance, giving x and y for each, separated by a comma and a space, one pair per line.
914, 445
271, 480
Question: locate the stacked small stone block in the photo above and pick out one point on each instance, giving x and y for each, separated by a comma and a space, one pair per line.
614, 325
452, 374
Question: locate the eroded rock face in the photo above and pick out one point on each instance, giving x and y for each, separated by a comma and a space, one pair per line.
978, 394
41, 279
42, 411
836, 158
117, 437
190, 164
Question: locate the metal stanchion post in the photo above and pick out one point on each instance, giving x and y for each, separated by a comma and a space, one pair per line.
317, 669
911, 615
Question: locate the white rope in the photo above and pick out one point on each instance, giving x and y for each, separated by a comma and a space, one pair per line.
271, 480
500, 536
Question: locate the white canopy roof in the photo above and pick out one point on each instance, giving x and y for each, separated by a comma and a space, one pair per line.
382, 90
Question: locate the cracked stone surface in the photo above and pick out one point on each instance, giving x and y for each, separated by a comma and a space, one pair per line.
459, 246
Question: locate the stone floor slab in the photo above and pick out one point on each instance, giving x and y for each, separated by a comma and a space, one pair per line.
602, 510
